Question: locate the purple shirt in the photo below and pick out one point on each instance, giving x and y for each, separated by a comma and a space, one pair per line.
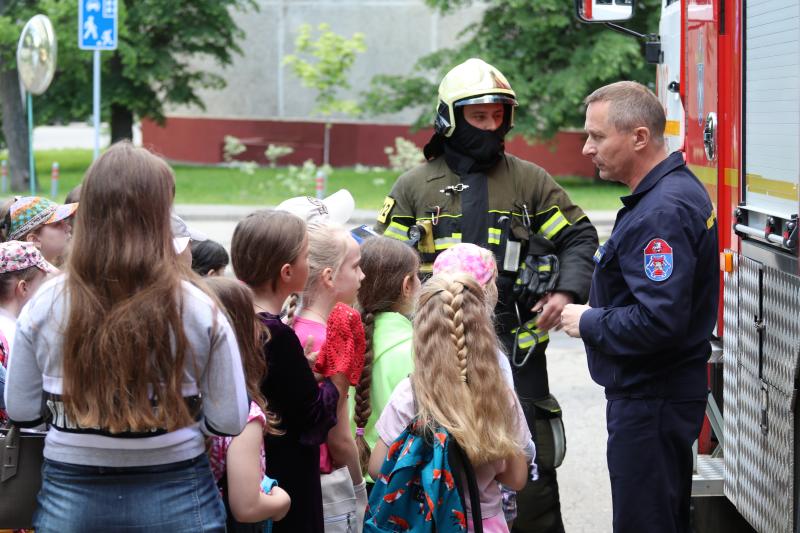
307, 411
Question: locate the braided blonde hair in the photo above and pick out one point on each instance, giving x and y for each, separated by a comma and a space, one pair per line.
457, 379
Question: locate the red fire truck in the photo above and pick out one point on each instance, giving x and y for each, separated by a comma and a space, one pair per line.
728, 75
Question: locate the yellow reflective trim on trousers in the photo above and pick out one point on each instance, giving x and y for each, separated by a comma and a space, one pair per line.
525, 339
494, 236
553, 225
544, 268
397, 231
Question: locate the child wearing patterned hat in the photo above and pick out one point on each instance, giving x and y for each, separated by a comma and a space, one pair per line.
44, 223
22, 271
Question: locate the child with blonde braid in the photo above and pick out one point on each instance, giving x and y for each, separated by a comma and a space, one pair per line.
269, 253
336, 333
457, 384
386, 299
480, 263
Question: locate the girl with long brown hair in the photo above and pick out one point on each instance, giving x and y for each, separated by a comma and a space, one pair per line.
457, 384
386, 300
238, 462
269, 252
133, 362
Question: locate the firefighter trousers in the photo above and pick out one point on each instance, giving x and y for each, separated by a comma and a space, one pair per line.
538, 504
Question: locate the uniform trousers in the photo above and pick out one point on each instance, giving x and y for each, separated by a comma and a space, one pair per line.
650, 462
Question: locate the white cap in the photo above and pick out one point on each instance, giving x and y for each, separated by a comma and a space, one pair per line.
182, 234
336, 208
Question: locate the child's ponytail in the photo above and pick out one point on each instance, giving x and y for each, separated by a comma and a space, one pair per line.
452, 301
291, 308
363, 405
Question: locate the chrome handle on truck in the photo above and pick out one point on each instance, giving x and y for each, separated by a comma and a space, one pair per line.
710, 136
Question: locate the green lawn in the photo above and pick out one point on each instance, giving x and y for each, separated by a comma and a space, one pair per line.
220, 185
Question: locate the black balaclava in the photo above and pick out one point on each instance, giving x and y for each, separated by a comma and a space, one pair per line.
471, 152
470, 148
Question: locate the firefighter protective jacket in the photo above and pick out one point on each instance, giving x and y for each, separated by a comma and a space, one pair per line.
521, 196
655, 290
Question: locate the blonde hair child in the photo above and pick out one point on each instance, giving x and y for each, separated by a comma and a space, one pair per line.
334, 277
458, 385
241, 459
269, 252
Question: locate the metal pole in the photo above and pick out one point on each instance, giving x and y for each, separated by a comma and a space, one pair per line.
96, 103
54, 174
31, 165
4, 186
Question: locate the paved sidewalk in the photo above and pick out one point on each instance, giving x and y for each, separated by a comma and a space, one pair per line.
603, 220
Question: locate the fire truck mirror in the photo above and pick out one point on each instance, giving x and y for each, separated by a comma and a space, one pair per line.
605, 10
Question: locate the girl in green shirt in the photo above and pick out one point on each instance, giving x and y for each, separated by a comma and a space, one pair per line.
386, 299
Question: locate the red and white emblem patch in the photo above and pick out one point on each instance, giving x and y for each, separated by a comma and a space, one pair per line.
658, 260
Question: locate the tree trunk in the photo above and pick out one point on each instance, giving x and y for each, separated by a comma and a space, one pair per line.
121, 123
15, 129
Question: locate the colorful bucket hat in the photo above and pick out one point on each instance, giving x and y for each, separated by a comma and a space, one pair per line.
467, 258
17, 255
29, 212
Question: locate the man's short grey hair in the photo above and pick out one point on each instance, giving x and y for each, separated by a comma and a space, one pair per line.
632, 105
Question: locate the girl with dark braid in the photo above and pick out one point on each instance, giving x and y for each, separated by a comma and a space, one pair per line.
386, 300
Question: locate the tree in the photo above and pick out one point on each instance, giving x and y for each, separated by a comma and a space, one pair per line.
334, 56
551, 59
156, 59
154, 65
13, 16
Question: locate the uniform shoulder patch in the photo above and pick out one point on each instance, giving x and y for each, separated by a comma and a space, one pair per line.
658, 260
386, 210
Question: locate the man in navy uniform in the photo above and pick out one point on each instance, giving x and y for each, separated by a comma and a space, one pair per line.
652, 308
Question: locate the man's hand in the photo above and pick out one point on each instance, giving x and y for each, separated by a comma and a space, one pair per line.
571, 319
551, 306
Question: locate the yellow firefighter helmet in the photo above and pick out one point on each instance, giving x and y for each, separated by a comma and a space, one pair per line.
472, 82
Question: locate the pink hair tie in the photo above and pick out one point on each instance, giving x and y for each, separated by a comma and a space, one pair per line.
359, 432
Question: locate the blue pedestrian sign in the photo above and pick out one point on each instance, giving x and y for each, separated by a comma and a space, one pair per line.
97, 24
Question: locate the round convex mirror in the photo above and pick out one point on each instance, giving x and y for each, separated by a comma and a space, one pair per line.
36, 54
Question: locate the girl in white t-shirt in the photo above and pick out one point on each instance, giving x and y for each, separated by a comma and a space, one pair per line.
457, 384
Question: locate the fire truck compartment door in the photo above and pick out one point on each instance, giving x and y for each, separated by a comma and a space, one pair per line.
701, 92
761, 356
771, 108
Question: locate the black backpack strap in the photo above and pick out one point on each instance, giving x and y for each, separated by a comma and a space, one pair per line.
460, 463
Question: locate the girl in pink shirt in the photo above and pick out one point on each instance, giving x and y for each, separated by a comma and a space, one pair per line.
334, 278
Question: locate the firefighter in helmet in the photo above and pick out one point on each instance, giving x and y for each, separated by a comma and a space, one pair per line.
470, 190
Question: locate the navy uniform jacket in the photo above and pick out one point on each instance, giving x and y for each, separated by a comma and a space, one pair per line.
655, 290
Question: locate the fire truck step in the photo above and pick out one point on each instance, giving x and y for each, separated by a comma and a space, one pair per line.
708, 479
